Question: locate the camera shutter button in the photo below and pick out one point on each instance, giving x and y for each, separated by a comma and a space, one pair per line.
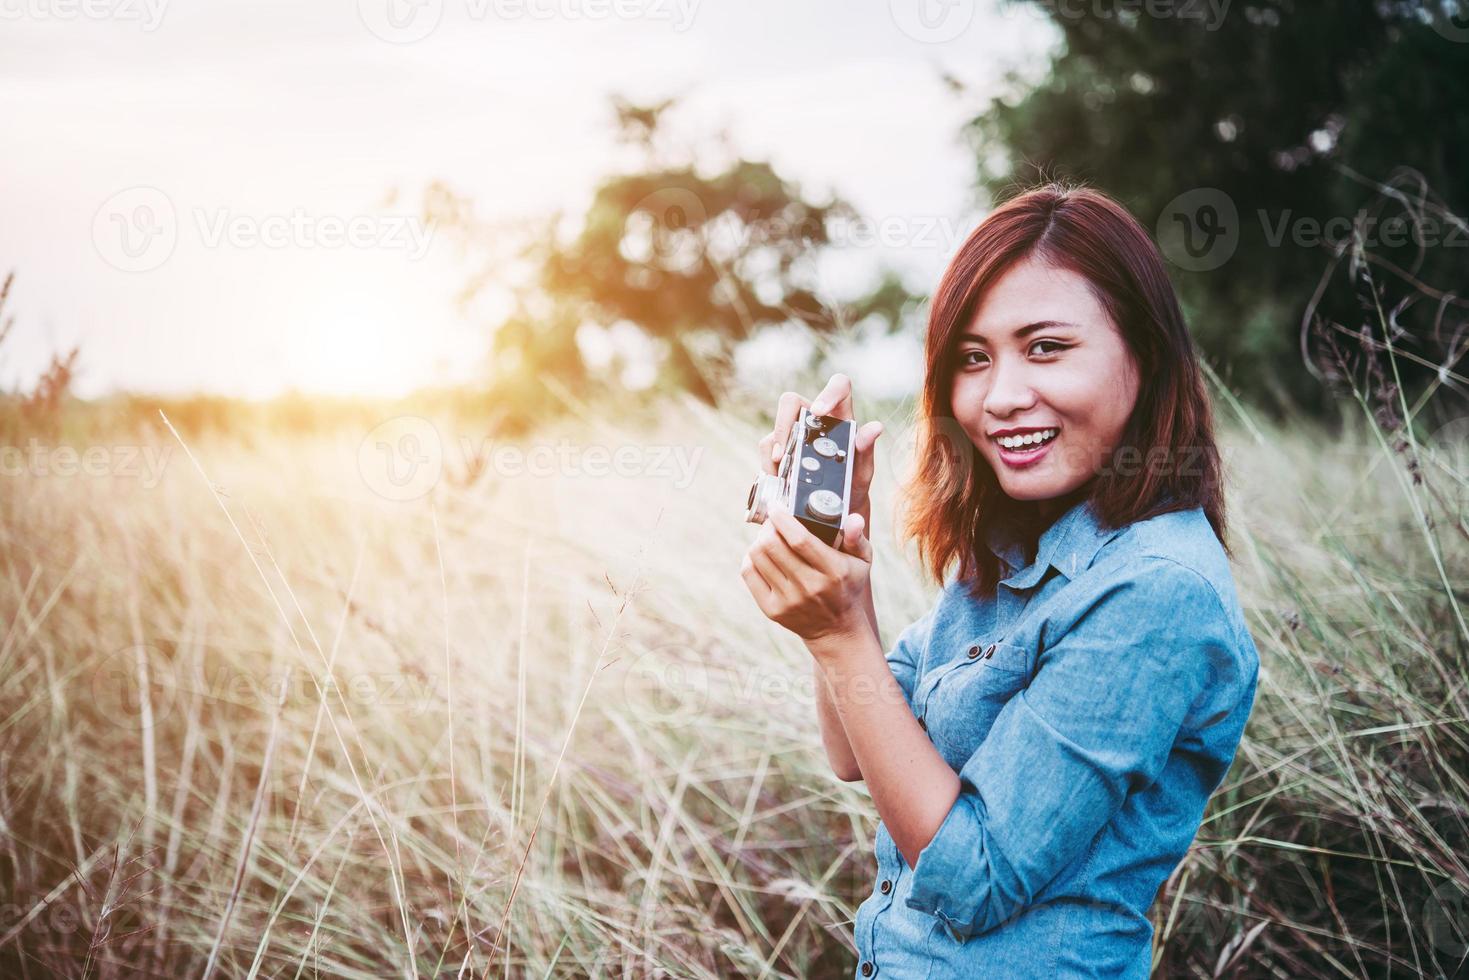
824, 504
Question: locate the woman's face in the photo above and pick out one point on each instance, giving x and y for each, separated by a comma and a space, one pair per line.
1043, 357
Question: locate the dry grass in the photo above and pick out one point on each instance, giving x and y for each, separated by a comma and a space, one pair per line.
261, 720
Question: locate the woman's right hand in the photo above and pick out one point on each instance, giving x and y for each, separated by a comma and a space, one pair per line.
835, 399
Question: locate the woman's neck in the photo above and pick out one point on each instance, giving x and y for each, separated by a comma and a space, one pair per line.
1046, 511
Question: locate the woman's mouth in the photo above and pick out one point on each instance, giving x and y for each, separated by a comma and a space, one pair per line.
1027, 448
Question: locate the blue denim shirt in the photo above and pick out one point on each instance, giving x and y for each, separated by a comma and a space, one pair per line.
1090, 708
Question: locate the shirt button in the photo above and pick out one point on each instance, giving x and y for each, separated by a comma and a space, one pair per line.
973, 652
886, 886
868, 969
991, 651
922, 724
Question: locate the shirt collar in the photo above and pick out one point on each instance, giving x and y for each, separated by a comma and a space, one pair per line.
1069, 545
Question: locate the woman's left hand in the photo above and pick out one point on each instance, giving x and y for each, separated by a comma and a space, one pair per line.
805, 585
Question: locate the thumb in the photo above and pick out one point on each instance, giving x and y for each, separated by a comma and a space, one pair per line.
854, 538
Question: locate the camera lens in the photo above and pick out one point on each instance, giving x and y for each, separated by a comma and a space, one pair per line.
765, 490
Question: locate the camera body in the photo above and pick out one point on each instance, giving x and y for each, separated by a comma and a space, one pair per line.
814, 479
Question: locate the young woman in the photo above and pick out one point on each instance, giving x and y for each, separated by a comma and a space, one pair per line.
1041, 745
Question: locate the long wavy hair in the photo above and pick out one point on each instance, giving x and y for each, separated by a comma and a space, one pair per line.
1166, 459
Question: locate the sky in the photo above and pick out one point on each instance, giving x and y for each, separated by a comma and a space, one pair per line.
223, 196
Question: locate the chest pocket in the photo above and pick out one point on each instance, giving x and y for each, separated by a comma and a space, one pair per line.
967, 694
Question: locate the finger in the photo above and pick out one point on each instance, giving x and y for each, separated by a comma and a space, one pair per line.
801, 543
780, 586
786, 411
835, 398
768, 456
864, 443
854, 538
756, 583
793, 571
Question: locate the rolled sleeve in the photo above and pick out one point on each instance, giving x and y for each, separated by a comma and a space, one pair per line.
1098, 721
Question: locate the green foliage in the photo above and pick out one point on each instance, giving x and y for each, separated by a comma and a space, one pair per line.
696, 261
1289, 114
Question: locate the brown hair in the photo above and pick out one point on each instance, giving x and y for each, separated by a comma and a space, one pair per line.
955, 498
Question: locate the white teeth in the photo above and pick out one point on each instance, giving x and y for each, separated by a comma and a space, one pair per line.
1029, 439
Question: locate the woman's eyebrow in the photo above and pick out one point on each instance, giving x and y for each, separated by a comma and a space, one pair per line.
1024, 331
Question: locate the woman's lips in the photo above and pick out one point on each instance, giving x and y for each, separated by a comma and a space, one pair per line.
1018, 459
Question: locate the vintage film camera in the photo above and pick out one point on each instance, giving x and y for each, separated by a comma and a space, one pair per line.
814, 479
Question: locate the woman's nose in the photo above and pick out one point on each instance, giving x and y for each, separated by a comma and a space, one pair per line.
1009, 390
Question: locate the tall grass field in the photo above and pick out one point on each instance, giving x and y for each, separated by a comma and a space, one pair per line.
393, 697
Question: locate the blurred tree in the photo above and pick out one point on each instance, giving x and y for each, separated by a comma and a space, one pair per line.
693, 262
1250, 138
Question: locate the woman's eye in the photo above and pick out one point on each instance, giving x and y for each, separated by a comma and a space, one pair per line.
1058, 346
964, 357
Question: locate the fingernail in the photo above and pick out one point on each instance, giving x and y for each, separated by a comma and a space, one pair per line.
775, 452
